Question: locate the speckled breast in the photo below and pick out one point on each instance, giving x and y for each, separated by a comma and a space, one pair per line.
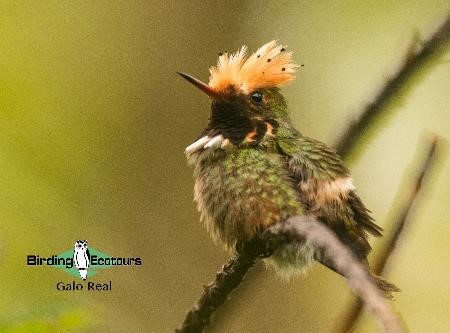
241, 192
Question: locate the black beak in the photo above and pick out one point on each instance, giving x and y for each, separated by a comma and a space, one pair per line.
199, 84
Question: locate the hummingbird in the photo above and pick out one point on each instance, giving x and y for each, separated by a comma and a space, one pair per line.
253, 168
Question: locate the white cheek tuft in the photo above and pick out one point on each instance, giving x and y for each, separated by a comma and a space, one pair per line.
207, 142
225, 143
214, 142
197, 145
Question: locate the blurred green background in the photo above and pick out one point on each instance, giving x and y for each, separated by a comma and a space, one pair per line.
94, 121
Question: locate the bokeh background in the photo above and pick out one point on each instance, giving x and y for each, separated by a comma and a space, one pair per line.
94, 121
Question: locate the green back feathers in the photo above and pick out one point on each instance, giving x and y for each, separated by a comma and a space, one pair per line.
312, 158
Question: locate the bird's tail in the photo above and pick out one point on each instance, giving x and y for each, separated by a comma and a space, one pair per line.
385, 287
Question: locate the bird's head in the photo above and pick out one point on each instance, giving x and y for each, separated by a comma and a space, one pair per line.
81, 245
246, 102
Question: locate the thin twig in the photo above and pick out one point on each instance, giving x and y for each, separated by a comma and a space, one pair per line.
295, 229
231, 275
216, 293
400, 223
405, 213
413, 62
358, 278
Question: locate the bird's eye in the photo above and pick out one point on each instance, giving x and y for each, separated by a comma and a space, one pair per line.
256, 97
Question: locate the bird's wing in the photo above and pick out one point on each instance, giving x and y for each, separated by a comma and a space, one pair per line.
75, 258
311, 159
325, 189
88, 255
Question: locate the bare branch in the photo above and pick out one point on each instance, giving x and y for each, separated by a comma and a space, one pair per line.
295, 229
413, 62
228, 279
359, 279
399, 226
216, 293
405, 214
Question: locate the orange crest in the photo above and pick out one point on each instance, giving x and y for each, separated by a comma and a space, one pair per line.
270, 66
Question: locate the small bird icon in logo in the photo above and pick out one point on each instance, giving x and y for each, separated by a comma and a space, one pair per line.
82, 257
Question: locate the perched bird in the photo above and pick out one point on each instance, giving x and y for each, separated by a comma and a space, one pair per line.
252, 168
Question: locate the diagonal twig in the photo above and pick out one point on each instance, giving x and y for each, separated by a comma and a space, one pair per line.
400, 223
228, 279
302, 229
405, 213
413, 62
